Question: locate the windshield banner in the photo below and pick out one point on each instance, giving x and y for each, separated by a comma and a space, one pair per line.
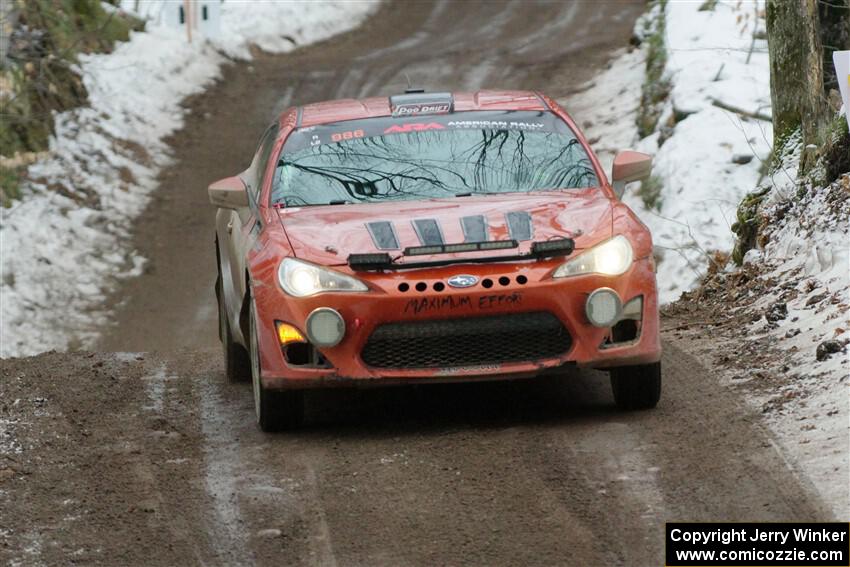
474, 120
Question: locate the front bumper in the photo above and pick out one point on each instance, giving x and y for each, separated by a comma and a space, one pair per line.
565, 298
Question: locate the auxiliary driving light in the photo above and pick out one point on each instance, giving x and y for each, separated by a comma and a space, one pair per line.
603, 307
325, 327
287, 334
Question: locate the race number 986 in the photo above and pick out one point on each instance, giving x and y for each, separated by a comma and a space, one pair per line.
349, 135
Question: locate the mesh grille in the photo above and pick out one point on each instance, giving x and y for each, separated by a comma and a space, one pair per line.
464, 342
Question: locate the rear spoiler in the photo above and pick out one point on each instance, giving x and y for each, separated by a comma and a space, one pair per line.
383, 261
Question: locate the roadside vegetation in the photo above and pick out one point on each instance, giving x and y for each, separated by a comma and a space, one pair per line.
39, 76
655, 90
650, 192
656, 86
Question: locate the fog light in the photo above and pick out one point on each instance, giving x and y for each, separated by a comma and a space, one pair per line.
325, 327
603, 307
288, 334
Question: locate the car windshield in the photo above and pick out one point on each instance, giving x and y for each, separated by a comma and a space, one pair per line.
386, 159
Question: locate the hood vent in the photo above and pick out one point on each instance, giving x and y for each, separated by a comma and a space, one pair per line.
474, 228
383, 235
519, 225
428, 231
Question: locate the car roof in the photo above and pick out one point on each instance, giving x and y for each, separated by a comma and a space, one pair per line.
353, 109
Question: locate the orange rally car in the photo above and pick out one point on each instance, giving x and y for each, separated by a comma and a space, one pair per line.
430, 237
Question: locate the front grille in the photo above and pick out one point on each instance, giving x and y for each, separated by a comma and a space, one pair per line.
494, 339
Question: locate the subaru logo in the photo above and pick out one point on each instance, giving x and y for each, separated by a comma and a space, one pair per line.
462, 280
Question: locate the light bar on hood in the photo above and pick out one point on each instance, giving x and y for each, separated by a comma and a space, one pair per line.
545, 249
376, 261
462, 247
556, 247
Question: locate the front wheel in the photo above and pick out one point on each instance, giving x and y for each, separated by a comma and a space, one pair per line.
636, 387
276, 410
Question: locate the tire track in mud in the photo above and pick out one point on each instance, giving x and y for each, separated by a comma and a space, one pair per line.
221, 471
260, 509
535, 472
106, 470
493, 474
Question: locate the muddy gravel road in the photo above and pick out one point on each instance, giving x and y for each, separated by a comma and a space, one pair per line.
142, 454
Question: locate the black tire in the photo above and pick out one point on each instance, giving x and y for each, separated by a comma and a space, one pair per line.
276, 410
237, 364
636, 387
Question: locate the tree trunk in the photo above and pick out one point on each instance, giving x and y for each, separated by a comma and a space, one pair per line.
801, 34
815, 104
796, 70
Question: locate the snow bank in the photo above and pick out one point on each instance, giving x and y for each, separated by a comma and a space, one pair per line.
702, 186
804, 267
808, 256
61, 244
606, 108
696, 141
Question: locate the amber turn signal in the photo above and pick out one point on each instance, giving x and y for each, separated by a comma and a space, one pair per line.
288, 334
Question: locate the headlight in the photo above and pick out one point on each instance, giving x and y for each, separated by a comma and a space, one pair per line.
302, 279
611, 259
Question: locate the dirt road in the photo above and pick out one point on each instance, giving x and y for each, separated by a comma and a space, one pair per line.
152, 459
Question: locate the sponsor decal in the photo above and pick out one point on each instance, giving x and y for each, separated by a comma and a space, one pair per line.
413, 127
510, 120
453, 370
500, 300
496, 125
462, 280
429, 304
841, 60
415, 109
453, 303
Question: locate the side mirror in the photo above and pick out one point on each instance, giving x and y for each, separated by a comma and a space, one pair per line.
228, 193
629, 166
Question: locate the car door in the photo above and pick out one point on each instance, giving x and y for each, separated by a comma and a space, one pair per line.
238, 229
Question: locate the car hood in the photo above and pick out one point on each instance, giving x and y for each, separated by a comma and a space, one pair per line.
328, 234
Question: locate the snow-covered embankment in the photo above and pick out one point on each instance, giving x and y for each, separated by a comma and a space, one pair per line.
783, 320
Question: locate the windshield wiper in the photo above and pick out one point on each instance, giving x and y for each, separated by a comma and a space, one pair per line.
476, 193
284, 204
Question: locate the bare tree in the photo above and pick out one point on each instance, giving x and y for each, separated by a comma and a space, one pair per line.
796, 70
801, 35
